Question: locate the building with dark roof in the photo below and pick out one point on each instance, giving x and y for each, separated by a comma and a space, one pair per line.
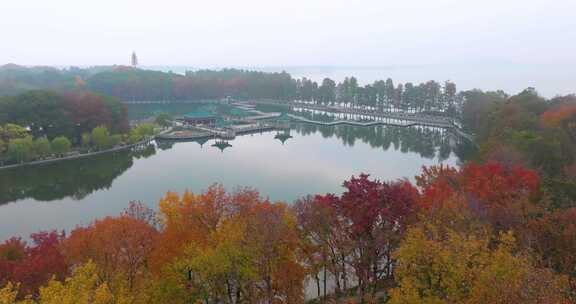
199, 118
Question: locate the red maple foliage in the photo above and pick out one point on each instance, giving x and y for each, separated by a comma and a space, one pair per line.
373, 216
500, 194
33, 266
87, 110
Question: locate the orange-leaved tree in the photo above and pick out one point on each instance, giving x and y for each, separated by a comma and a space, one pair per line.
562, 117
120, 248
230, 247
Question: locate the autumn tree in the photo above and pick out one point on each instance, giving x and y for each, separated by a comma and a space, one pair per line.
139, 211
554, 240
12, 252
271, 233
119, 247
219, 272
562, 117
188, 218
83, 287
32, 266
228, 247
323, 246
502, 196
51, 114
8, 294
371, 217
449, 266
87, 110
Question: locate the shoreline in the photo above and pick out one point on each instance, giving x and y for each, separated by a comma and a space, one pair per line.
76, 156
81, 155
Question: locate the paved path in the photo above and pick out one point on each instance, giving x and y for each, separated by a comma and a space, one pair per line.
83, 155
373, 123
390, 118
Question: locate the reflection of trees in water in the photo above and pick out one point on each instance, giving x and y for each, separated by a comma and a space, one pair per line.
426, 141
165, 144
73, 178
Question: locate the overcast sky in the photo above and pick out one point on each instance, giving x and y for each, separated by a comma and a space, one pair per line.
287, 33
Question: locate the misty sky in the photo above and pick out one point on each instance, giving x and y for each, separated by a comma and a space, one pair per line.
283, 33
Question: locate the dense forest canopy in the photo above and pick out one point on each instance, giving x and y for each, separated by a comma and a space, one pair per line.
39, 125
131, 84
16, 79
69, 113
529, 130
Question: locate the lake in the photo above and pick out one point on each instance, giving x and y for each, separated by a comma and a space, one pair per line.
282, 165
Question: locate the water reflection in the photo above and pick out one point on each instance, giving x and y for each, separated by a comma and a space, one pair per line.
75, 179
283, 136
428, 142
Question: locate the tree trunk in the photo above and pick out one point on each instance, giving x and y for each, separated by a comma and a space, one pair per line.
229, 291
324, 300
317, 285
361, 290
345, 277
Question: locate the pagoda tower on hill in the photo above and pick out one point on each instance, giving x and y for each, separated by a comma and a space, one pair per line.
134, 59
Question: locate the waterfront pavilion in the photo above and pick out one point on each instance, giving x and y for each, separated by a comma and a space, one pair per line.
199, 118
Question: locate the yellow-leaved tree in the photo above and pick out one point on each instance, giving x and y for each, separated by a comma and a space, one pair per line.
8, 294
83, 287
463, 267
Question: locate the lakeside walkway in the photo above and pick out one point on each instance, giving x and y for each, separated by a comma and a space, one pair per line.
83, 155
140, 102
228, 134
389, 122
417, 117
398, 123
398, 119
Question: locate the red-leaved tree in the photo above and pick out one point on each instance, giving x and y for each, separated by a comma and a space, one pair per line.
371, 217
32, 266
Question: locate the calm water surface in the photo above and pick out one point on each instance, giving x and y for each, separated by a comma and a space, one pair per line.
314, 160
